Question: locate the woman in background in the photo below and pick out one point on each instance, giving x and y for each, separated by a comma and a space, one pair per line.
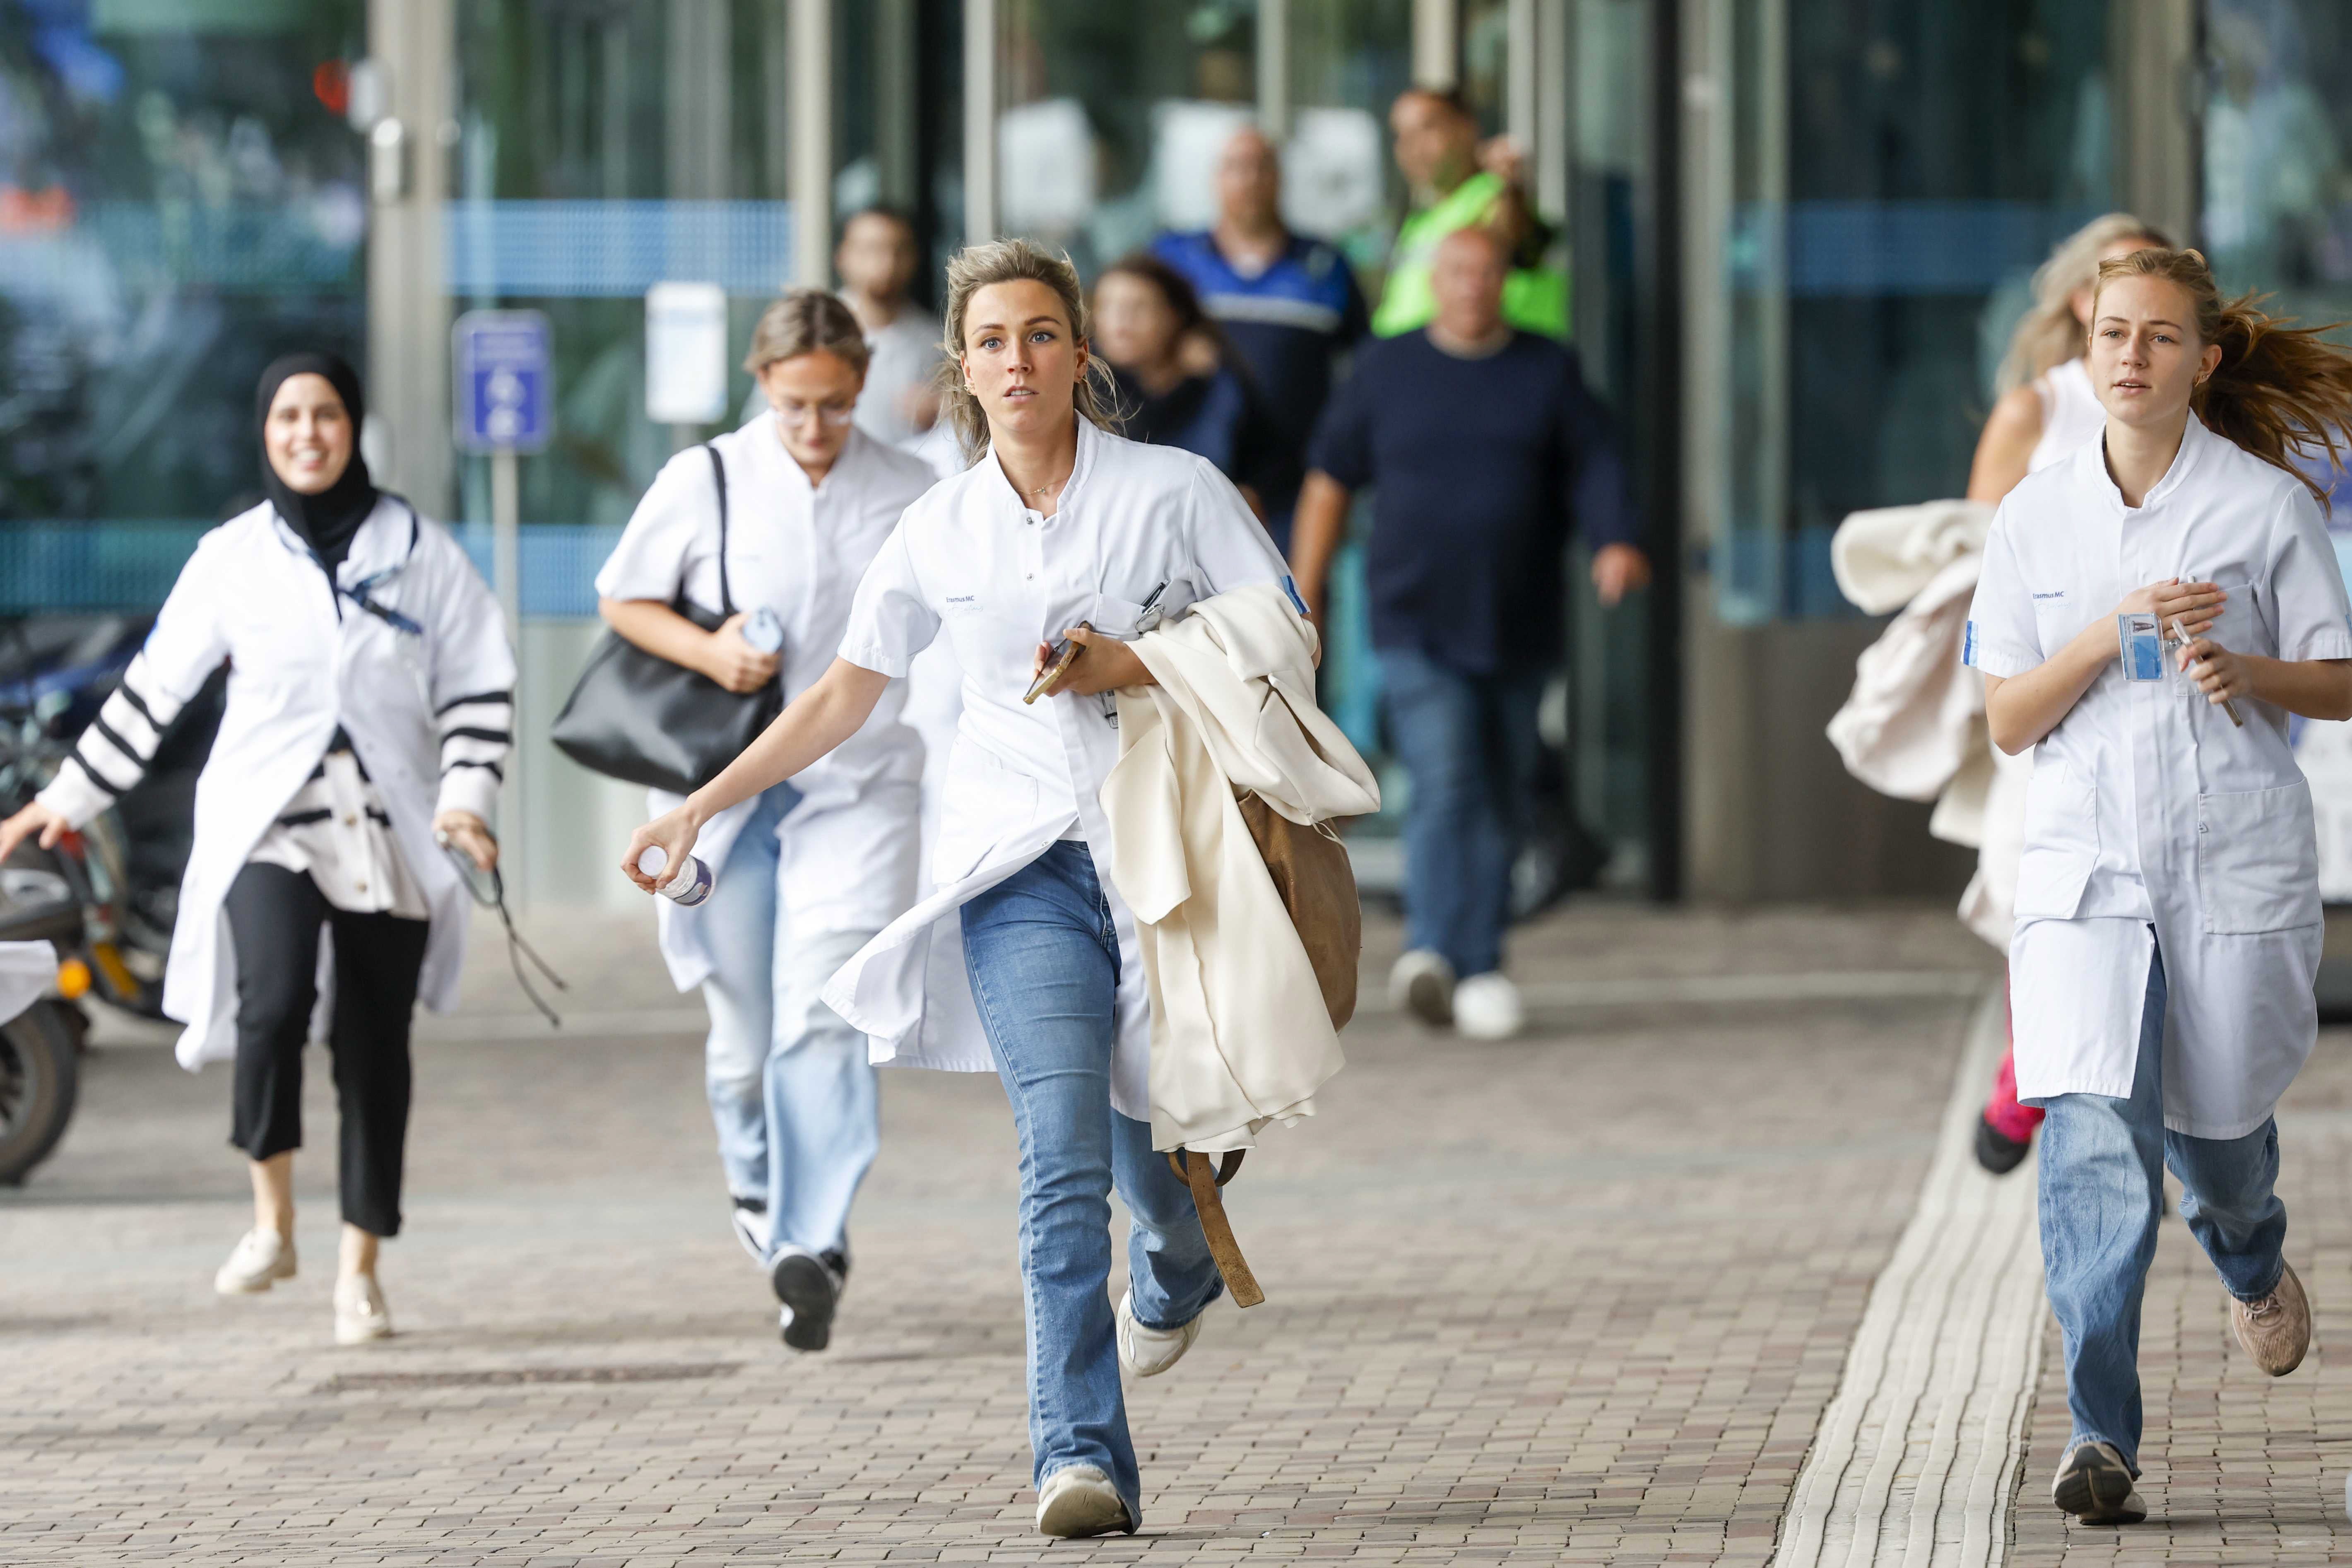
1175, 382
369, 708
805, 873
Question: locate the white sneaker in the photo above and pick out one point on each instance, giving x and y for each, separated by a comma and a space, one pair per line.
360, 1314
751, 1228
1422, 984
259, 1260
1080, 1502
1487, 1008
1149, 1351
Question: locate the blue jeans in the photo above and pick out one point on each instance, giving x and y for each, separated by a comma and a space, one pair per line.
791, 1094
1470, 750
1044, 959
2102, 1170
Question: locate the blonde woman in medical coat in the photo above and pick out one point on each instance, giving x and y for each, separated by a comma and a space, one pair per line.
370, 693
1059, 524
807, 872
2168, 902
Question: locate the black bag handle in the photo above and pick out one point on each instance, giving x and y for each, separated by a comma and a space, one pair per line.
719, 477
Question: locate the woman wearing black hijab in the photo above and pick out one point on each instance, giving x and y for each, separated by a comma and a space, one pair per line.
370, 710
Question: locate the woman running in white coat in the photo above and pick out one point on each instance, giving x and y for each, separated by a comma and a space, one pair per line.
370, 697
2047, 410
1059, 526
806, 872
2168, 899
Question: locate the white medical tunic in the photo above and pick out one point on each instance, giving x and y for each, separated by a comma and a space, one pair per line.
999, 578
848, 848
403, 650
2150, 819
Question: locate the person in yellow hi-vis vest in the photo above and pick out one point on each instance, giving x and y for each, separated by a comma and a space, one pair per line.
1438, 152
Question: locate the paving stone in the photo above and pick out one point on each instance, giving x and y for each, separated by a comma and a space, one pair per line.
1576, 1297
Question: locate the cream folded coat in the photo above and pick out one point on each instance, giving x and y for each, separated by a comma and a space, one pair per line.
1240, 1033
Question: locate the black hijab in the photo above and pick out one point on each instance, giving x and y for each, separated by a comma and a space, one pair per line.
327, 520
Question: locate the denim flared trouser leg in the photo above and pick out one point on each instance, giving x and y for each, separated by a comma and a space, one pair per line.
2102, 1172
1043, 954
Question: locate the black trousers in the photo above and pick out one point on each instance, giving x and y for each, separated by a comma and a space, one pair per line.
273, 917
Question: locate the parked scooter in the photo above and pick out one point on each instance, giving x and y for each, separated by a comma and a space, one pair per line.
100, 898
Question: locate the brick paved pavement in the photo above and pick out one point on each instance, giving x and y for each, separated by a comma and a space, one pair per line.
1577, 1298
2239, 1467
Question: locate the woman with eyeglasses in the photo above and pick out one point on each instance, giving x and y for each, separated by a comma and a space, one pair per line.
370, 710
806, 872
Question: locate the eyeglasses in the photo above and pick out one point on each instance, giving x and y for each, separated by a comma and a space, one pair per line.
835, 414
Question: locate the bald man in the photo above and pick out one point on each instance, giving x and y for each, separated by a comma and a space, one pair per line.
1289, 304
1485, 452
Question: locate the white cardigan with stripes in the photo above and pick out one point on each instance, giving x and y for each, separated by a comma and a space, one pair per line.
405, 651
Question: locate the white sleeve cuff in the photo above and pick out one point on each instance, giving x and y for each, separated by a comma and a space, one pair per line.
73, 796
469, 789
868, 655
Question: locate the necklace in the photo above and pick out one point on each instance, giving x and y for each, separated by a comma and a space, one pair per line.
1041, 489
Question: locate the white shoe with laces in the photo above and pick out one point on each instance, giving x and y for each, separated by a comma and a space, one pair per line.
1149, 1351
360, 1314
1487, 1008
1079, 1501
1422, 984
259, 1260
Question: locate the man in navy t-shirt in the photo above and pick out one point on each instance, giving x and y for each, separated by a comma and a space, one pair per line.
1289, 304
1485, 449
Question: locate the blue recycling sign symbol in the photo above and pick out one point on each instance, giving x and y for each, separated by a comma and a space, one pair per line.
504, 380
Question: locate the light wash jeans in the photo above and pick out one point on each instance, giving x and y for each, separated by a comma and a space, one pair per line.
790, 1091
2101, 1172
1470, 749
1044, 959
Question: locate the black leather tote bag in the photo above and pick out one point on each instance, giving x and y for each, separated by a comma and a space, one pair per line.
637, 716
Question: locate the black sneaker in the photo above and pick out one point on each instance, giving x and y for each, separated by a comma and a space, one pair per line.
1996, 1151
2094, 1485
809, 1286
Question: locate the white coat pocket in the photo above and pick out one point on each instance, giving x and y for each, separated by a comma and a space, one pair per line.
2062, 842
2257, 861
985, 805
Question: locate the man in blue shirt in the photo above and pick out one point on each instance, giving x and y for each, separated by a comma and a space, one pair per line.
1289, 304
1485, 449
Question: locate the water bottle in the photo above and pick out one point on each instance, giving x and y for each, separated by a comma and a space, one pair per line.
690, 887
763, 631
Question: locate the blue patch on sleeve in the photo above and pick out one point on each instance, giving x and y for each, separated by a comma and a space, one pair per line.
1291, 589
1968, 646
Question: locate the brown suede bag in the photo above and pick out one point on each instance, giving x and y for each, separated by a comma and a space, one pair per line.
1317, 884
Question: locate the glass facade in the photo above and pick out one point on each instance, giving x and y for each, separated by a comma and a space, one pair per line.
1896, 173
182, 199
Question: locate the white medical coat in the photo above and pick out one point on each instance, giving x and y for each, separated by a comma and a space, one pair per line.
999, 579
848, 848
303, 659
2147, 808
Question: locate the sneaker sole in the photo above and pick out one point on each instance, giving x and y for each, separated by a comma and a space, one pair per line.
366, 1336
2096, 1493
1079, 1513
802, 1284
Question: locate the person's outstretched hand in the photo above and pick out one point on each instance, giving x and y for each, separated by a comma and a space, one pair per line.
36, 818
